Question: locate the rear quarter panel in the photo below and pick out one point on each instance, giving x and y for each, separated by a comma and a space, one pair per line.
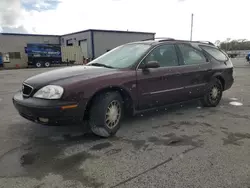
225, 71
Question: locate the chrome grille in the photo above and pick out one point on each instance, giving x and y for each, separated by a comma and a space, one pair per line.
27, 90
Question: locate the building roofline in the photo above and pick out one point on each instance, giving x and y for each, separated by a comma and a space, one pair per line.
84, 31
108, 31
35, 35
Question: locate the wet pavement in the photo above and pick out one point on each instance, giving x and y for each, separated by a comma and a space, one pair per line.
184, 145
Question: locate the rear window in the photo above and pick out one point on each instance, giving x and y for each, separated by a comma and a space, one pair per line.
216, 53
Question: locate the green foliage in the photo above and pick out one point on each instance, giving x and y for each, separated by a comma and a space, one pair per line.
235, 45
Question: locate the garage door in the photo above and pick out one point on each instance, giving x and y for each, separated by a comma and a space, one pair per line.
84, 47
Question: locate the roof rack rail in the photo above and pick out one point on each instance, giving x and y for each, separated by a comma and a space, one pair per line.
159, 39
207, 42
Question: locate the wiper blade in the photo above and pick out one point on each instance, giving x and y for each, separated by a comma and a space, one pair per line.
101, 65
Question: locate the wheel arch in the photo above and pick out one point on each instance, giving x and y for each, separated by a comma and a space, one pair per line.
127, 99
220, 77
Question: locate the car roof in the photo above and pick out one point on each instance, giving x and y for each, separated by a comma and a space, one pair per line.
157, 41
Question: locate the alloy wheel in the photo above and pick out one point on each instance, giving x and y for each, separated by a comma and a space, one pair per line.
113, 114
215, 93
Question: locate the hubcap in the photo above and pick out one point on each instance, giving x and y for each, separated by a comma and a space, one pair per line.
113, 114
47, 64
38, 64
214, 92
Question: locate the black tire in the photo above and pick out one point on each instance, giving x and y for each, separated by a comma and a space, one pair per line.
38, 64
47, 64
98, 121
211, 99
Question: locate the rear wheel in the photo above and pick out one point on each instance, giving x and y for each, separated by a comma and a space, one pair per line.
213, 97
38, 64
47, 64
106, 113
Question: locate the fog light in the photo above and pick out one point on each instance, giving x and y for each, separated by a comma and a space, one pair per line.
43, 120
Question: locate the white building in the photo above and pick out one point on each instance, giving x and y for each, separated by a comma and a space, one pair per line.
93, 42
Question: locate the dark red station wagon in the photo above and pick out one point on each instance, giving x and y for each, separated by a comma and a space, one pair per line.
131, 78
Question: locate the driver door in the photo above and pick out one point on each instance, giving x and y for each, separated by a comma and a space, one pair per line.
159, 86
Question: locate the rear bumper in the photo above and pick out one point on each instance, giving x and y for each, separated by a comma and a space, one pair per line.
48, 112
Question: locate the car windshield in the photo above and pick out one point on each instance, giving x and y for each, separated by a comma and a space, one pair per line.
122, 56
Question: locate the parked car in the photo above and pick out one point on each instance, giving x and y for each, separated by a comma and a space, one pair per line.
129, 79
233, 55
248, 57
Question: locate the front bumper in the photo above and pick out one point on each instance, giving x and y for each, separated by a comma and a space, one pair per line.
39, 110
228, 84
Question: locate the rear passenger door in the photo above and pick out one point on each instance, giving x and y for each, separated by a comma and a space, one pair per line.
196, 71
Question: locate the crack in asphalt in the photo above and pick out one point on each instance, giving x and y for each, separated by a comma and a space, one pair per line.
152, 168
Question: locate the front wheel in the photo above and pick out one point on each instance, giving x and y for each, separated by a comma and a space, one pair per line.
106, 113
214, 94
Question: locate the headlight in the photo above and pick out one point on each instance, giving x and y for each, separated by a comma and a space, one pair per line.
49, 92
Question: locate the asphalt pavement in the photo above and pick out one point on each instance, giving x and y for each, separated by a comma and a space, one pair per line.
180, 146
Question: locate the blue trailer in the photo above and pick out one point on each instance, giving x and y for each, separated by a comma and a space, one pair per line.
1, 60
40, 55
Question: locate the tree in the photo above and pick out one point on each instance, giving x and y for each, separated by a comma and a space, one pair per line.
232, 45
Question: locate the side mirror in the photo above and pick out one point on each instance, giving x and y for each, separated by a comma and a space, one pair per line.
151, 64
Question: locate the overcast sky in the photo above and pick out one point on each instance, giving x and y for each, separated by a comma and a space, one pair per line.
213, 19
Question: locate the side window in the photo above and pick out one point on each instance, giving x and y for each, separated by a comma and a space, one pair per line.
166, 55
190, 55
216, 53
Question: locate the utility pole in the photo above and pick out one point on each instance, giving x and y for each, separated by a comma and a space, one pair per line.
192, 23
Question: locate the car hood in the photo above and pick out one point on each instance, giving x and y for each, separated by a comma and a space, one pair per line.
85, 72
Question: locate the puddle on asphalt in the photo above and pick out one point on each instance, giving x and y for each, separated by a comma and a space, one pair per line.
137, 144
200, 116
101, 146
42, 158
235, 103
178, 124
174, 140
11, 164
113, 152
235, 138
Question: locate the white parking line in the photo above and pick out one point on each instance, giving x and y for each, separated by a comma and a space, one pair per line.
233, 99
236, 103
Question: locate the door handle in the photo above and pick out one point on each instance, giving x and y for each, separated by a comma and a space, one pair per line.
209, 70
177, 74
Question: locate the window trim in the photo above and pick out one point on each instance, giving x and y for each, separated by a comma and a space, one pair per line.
156, 46
200, 46
196, 49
